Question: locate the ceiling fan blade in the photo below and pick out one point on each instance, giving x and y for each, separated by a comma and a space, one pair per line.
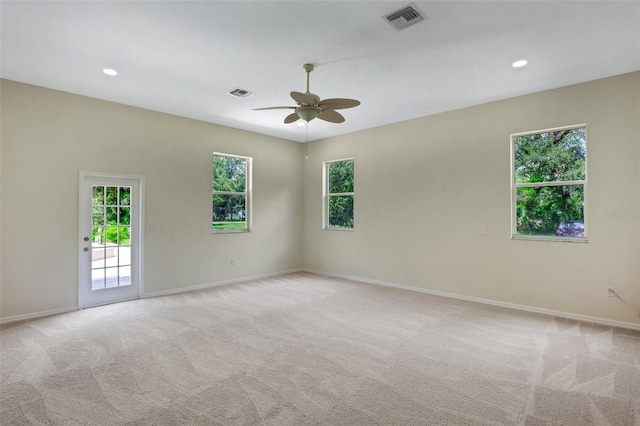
303, 98
278, 107
338, 103
331, 116
291, 118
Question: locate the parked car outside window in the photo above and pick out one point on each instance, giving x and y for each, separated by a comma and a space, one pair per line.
570, 228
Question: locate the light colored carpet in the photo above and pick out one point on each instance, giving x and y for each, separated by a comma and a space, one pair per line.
303, 350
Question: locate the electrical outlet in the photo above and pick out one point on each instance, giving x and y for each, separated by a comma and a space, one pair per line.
610, 291
233, 261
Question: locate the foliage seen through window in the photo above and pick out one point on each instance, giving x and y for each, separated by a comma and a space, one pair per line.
549, 183
111, 215
339, 207
229, 192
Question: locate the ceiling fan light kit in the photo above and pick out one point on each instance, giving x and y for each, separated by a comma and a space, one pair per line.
310, 105
308, 112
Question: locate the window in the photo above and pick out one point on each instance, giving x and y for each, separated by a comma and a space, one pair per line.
231, 193
111, 236
338, 190
549, 184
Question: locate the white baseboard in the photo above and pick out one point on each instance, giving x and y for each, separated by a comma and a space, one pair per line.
14, 318
561, 314
217, 283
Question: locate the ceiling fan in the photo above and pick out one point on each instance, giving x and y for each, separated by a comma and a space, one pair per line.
310, 106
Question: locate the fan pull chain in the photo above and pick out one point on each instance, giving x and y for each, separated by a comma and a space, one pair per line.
306, 141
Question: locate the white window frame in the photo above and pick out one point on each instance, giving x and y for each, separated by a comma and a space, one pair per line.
326, 195
246, 194
515, 186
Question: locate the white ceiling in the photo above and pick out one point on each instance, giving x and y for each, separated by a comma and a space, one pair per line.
182, 57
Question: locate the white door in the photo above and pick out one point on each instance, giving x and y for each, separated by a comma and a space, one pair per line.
110, 238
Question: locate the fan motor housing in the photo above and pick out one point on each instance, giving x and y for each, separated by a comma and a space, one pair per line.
315, 97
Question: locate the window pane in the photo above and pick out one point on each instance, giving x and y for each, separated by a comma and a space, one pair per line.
550, 211
124, 235
124, 276
97, 215
98, 257
97, 279
229, 211
340, 176
125, 195
97, 235
341, 211
229, 174
111, 195
124, 255
111, 235
551, 156
125, 215
111, 277
98, 195
112, 216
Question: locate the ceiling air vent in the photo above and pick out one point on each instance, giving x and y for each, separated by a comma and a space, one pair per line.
405, 17
240, 93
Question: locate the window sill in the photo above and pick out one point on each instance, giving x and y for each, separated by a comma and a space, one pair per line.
231, 231
326, 228
554, 239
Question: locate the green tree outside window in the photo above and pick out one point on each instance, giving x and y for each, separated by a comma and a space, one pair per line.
230, 182
111, 222
340, 193
549, 182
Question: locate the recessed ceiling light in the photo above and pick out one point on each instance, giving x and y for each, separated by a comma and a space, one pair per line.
519, 64
109, 71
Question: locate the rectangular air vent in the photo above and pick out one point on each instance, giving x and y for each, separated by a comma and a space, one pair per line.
240, 93
405, 17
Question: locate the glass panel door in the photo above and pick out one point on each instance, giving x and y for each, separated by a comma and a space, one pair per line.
109, 248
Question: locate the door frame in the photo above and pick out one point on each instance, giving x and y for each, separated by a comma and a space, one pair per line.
140, 233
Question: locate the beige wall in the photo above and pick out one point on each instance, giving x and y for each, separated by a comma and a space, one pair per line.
424, 191
49, 136
426, 188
